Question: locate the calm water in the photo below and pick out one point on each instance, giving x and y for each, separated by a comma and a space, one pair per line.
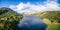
31, 23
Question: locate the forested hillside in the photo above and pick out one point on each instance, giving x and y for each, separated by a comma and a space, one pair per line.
53, 16
9, 19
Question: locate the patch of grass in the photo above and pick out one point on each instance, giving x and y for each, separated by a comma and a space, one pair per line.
54, 27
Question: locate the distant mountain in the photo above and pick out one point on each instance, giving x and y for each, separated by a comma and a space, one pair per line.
9, 19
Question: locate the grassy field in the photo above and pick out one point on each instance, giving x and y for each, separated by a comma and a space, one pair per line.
54, 27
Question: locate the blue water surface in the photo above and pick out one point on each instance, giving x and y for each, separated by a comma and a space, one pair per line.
31, 23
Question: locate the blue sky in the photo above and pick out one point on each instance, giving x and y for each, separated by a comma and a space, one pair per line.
15, 2
31, 5
6, 3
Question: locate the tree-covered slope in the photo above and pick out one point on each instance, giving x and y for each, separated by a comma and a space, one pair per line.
54, 16
9, 19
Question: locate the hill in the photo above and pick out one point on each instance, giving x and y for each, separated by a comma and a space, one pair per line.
9, 19
53, 16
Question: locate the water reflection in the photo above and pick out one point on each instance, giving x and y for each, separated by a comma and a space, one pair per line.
31, 23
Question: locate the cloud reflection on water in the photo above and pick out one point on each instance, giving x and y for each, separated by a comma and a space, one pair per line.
31, 23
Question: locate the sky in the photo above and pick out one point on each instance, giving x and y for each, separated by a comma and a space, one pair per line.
6, 3
31, 5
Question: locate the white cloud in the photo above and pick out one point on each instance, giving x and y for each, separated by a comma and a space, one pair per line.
49, 5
